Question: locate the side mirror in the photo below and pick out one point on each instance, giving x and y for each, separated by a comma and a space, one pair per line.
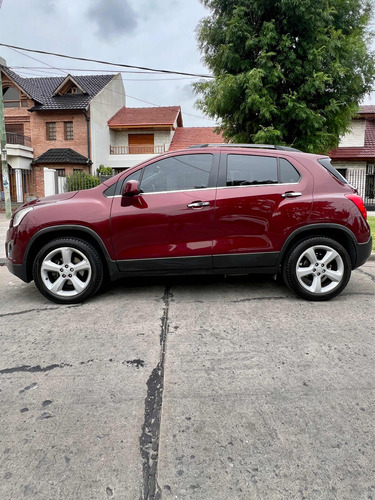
131, 188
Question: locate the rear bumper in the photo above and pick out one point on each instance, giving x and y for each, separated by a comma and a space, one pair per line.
363, 252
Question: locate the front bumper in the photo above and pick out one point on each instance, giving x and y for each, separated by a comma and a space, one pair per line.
18, 270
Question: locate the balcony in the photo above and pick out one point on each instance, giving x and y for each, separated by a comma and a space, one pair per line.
18, 139
137, 150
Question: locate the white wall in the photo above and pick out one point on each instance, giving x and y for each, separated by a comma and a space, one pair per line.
49, 181
356, 135
127, 161
102, 108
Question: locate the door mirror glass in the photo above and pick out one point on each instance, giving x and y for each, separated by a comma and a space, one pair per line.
131, 188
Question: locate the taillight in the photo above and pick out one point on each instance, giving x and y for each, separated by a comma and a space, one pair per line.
357, 200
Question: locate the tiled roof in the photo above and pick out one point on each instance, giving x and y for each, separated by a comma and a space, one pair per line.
369, 109
188, 136
365, 152
62, 155
146, 117
42, 89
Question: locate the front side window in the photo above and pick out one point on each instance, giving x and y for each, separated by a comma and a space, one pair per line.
248, 170
51, 131
177, 173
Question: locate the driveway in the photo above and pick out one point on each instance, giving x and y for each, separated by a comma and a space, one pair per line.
188, 388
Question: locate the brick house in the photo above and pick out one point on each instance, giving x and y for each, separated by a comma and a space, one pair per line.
63, 119
355, 156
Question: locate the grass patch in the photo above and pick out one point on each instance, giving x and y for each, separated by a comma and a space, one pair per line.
371, 223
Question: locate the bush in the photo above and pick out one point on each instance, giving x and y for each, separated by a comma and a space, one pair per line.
102, 170
81, 180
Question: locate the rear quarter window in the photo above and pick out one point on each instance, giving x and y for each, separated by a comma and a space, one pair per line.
326, 163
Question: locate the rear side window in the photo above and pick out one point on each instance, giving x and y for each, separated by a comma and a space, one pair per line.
326, 163
246, 170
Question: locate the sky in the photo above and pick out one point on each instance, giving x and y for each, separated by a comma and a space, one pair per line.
150, 33
158, 34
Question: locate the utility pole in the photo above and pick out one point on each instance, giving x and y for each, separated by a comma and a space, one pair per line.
4, 162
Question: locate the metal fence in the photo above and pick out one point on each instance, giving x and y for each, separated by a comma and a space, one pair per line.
22, 140
364, 181
24, 180
136, 150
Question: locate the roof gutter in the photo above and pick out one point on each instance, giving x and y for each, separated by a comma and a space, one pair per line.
88, 138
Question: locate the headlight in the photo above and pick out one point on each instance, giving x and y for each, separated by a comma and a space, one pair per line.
20, 215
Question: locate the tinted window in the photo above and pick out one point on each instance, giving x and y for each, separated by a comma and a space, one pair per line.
288, 173
243, 170
177, 173
326, 162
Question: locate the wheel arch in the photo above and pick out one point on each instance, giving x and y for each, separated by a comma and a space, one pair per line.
339, 233
45, 235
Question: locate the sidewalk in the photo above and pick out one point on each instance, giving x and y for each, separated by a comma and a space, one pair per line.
4, 223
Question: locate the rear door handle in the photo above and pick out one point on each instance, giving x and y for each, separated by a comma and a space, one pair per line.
199, 204
291, 194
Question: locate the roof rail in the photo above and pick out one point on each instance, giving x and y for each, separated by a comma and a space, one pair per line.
254, 146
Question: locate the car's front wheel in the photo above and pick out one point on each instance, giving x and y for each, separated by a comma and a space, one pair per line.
318, 268
67, 270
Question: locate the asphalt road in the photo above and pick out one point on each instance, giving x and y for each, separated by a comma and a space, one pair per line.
188, 388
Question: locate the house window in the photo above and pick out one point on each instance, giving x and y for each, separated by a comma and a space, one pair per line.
60, 172
51, 131
11, 97
68, 131
73, 90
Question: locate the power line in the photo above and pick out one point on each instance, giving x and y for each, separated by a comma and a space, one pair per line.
105, 62
36, 68
116, 92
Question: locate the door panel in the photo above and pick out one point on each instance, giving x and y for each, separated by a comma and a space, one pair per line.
257, 218
162, 226
172, 218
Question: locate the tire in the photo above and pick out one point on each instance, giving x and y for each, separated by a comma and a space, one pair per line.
68, 270
318, 268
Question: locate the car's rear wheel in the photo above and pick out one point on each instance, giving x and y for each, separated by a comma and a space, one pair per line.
67, 270
318, 268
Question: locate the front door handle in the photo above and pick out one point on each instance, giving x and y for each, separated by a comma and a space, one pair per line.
291, 194
199, 204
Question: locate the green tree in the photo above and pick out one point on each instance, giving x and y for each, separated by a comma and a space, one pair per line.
103, 170
288, 72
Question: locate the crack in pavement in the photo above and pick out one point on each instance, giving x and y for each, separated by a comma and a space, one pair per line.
38, 310
372, 278
137, 363
149, 439
32, 369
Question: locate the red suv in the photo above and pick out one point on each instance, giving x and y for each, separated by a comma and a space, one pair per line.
208, 209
